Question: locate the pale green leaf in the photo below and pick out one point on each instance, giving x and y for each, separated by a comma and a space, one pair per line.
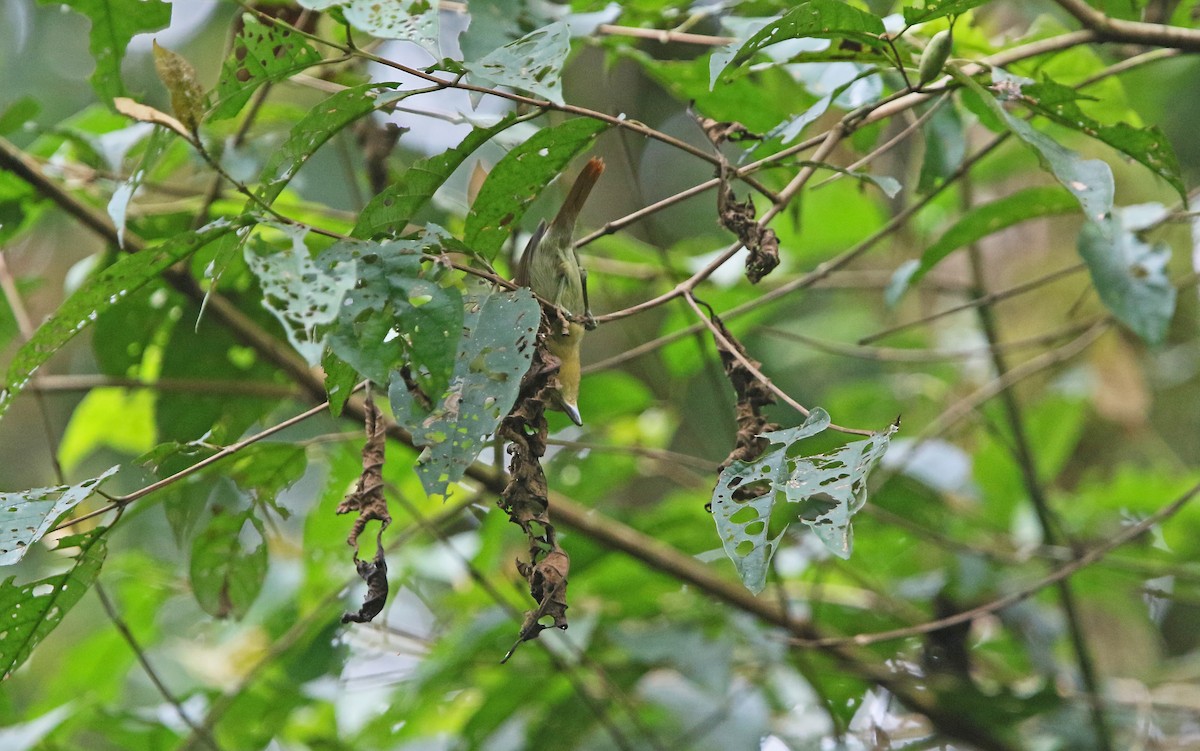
532, 63
931, 9
411, 20
1129, 274
827, 490
298, 292
28, 515
494, 352
826, 19
115, 418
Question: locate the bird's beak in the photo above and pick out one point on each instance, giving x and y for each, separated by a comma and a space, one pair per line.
573, 413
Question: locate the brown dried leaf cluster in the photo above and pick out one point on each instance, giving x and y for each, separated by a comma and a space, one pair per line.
736, 216
525, 498
752, 396
368, 501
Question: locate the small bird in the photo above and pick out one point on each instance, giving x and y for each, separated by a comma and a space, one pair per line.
551, 268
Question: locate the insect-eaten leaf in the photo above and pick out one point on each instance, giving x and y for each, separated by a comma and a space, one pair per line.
499, 330
828, 489
399, 313
1130, 274
34, 609
227, 571
301, 294
261, 53
532, 63
28, 515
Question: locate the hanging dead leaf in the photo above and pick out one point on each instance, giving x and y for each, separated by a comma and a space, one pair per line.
147, 114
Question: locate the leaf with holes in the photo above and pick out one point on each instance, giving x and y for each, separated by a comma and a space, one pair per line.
827, 490
499, 330
977, 224
414, 21
301, 294
226, 572
399, 203
826, 19
29, 612
261, 53
1129, 274
519, 178
97, 296
113, 26
399, 313
26, 516
532, 63
321, 123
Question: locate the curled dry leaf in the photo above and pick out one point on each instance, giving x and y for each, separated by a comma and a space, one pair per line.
525, 498
178, 75
147, 114
368, 501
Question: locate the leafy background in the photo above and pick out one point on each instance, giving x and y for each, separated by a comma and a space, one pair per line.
1025, 303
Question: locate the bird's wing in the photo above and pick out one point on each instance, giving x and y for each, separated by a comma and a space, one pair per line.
522, 278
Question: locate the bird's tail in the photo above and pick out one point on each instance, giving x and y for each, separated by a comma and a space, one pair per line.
564, 220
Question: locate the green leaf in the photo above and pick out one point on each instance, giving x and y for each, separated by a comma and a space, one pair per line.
519, 178
28, 515
415, 21
227, 575
340, 380
301, 294
532, 63
118, 206
322, 122
498, 333
826, 19
398, 314
261, 53
945, 147
980, 222
18, 113
35, 609
93, 299
1147, 145
399, 203
113, 25
1089, 180
1129, 274
932, 9
828, 489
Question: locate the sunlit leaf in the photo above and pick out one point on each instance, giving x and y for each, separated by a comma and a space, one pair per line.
828, 489
90, 301
116, 418
1129, 274
301, 294
261, 53
495, 350
34, 609
532, 63
28, 515
519, 178
114, 24
399, 203
980, 222
322, 122
227, 572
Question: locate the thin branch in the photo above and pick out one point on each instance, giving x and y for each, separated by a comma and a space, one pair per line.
123, 629
1133, 32
85, 382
